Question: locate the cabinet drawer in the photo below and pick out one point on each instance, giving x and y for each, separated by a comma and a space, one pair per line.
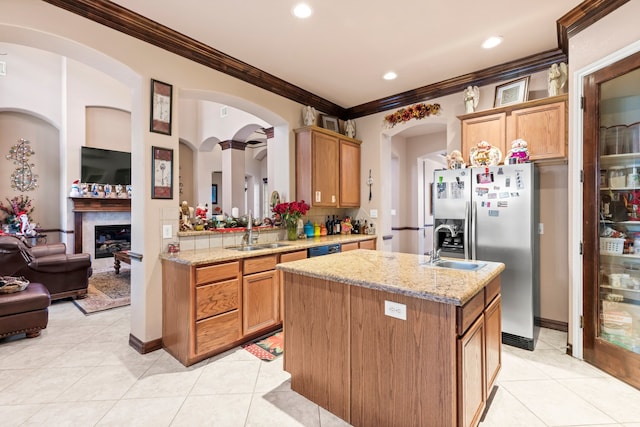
349, 246
217, 298
468, 313
368, 244
217, 331
293, 256
218, 272
261, 263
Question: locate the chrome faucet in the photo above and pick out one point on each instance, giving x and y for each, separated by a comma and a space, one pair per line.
249, 238
435, 253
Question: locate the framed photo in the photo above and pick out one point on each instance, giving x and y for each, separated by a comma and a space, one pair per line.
161, 173
161, 94
331, 123
513, 92
214, 194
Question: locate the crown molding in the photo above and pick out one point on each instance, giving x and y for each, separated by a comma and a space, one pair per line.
142, 28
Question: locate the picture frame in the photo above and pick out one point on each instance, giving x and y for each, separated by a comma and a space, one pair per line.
331, 123
161, 173
513, 92
161, 107
214, 194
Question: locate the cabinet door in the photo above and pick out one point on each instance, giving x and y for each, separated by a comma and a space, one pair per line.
325, 169
345, 247
471, 374
260, 301
544, 129
491, 128
349, 174
493, 342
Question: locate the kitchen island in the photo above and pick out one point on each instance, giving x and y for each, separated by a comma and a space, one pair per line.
382, 338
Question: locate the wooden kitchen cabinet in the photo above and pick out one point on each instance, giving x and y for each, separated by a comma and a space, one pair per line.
367, 244
288, 257
327, 168
542, 123
260, 294
201, 311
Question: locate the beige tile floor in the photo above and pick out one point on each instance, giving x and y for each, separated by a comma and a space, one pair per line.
82, 372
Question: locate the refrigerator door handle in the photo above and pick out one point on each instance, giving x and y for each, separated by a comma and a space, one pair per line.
466, 229
473, 237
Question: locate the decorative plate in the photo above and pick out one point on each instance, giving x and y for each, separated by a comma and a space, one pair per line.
485, 155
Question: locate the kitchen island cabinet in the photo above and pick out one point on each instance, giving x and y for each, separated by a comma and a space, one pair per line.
383, 339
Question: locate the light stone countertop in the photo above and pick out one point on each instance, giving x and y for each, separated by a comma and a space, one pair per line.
396, 272
213, 255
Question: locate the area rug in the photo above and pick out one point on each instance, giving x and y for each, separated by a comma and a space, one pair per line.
268, 348
106, 290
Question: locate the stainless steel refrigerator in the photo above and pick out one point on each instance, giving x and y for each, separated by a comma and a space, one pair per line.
492, 215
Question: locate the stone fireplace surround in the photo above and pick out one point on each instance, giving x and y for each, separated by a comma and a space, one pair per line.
89, 212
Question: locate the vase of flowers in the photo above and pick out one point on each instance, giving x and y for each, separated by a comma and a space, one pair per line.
17, 206
291, 212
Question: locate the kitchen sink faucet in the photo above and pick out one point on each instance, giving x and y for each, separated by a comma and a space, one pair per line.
249, 238
435, 253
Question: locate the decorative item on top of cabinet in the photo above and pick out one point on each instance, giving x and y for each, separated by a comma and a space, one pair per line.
327, 168
542, 123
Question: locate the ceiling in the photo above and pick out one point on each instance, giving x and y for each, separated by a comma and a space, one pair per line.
341, 52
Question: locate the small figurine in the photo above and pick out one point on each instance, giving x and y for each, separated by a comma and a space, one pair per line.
557, 78
95, 190
107, 190
201, 212
75, 189
346, 226
129, 191
471, 98
350, 128
518, 153
308, 115
455, 160
119, 189
185, 216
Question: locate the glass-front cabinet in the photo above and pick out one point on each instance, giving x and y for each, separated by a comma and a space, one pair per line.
612, 219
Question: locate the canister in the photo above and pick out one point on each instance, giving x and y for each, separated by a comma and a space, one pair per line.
617, 177
615, 137
633, 178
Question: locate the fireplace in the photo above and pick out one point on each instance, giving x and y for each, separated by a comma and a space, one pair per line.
112, 238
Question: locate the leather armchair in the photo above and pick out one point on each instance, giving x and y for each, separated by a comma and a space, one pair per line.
64, 275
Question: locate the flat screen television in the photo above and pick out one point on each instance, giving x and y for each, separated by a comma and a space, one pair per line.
101, 166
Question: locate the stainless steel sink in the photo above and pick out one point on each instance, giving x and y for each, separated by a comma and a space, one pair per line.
248, 248
460, 265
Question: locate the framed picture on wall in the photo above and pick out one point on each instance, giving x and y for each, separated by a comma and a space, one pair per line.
161, 94
161, 173
214, 194
513, 92
331, 123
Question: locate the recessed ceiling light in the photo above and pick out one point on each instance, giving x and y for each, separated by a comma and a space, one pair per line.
302, 10
492, 42
390, 76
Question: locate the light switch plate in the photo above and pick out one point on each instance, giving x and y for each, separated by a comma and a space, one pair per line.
394, 309
166, 231
540, 228
373, 213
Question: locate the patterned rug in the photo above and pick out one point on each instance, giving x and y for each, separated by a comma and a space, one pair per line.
267, 348
106, 290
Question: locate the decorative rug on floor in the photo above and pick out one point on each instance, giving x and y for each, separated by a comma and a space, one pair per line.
106, 290
267, 348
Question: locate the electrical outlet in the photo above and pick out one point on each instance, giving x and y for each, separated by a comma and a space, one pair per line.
394, 309
540, 228
393, 212
373, 213
166, 231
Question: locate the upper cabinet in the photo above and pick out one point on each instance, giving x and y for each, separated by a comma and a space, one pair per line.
542, 123
327, 168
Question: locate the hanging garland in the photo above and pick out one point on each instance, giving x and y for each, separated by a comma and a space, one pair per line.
418, 111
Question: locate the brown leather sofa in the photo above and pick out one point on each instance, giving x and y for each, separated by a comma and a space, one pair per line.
64, 275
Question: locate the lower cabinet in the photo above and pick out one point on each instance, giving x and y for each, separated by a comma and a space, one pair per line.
364, 244
370, 369
260, 294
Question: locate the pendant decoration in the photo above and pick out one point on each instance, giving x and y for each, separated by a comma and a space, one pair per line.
370, 183
22, 178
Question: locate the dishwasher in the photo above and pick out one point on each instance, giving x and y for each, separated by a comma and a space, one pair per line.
324, 250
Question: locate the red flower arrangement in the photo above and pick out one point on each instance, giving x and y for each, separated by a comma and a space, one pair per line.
291, 212
418, 111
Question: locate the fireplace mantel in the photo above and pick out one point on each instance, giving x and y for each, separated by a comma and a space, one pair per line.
82, 205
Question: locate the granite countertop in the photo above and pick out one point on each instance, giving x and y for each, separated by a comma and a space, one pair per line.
212, 255
396, 272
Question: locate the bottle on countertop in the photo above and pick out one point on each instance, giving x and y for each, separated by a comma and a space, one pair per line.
316, 229
337, 227
365, 228
356, 227
329, 225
